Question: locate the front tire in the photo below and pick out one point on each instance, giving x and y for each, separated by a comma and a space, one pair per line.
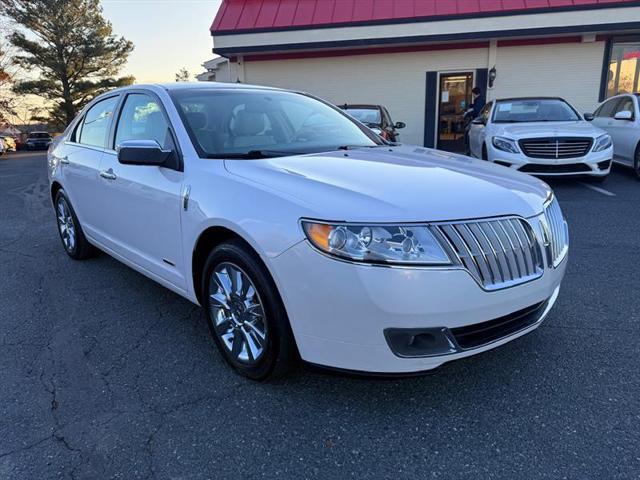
246, 316
636, 163
70, 230
485, 154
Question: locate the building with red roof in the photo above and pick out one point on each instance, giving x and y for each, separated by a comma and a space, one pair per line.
421, 58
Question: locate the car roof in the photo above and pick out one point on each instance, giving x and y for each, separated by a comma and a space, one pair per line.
178, 86
528, 98
622, 95
360, 105
174, 86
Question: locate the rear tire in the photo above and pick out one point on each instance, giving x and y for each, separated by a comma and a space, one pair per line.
246, 316
73, 240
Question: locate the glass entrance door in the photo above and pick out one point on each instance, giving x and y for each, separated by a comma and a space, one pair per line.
455, 98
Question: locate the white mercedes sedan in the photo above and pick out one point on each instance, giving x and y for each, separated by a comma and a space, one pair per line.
304, 235
540, 136
620, 117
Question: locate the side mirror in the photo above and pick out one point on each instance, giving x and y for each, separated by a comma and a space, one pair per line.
478, 121
624, 115
589, 116
400, 125
143, 152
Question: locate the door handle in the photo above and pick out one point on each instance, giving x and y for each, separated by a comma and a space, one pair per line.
108, 174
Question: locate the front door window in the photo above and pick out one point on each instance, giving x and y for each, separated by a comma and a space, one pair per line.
455, 98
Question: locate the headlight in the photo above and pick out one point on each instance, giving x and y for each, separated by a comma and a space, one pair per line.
602, 143
506, 144
391, 244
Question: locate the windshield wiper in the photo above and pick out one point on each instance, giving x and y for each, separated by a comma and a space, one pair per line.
259, 154
254, 155
354, 147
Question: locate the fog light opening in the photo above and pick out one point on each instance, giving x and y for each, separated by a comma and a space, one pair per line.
504, 164
419, 342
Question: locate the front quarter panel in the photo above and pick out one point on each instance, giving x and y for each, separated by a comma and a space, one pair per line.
267, 220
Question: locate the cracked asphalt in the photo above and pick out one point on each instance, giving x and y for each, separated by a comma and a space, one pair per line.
105, 374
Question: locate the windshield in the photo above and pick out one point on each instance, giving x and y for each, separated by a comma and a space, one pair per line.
39, 135
233, 123
368, 116
534, 110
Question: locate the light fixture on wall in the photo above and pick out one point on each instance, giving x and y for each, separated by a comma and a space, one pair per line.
493, 73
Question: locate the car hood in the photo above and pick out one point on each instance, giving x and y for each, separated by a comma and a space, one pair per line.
549, 129
396, 184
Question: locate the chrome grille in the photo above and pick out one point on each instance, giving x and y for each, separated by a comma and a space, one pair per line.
498, 253
556, 148
557, 231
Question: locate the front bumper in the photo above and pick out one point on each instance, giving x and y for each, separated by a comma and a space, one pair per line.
595, 164
38, 146
340, 311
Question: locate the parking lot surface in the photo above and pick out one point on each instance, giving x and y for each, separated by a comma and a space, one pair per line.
105, 374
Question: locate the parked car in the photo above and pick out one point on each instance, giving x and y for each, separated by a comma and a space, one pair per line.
38, 141
620, 117
3, 148
377, 118
541, 136
302, 233
10, 144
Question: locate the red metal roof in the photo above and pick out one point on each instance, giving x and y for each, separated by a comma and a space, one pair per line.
246, 15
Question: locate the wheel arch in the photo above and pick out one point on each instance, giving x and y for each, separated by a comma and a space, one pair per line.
55, 188
208, 239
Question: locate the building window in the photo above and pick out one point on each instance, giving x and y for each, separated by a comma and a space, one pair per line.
624, 68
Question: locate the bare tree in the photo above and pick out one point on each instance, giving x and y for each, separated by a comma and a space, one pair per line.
183, 75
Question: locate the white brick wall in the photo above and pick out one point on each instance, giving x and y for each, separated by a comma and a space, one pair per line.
570, 70
394, 80
398, 80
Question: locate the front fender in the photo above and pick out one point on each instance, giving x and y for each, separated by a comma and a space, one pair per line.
267, 221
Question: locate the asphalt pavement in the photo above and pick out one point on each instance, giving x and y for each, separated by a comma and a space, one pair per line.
106, 374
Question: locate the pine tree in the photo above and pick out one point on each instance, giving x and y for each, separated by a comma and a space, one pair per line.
70, 50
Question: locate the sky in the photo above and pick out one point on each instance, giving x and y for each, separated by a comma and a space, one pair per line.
168, 35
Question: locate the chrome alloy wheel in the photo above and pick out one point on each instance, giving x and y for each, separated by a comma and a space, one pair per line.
66, 225
237, 313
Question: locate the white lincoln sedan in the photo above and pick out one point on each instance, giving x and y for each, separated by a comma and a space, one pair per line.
302, 233
540, 136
